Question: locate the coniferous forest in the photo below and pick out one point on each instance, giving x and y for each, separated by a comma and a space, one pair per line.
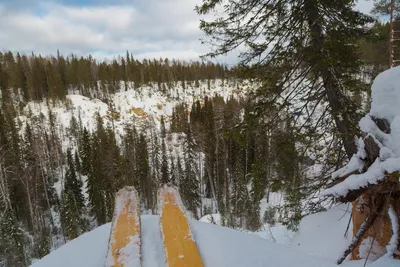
283, 128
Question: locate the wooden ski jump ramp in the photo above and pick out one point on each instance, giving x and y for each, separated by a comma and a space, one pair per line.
124, 248
180, 248
124, 243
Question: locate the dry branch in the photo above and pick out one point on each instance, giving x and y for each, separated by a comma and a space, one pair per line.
363, 229
341, 179
385, 186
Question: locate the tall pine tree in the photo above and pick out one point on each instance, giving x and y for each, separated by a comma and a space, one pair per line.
190, 182
73, 202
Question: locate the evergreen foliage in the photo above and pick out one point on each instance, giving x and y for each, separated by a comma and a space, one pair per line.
305, 53
232, 152
72, 202
13, 241
165, 172
190, 182
53, 77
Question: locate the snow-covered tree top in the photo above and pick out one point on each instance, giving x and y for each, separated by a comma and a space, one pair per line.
386, 95
384, 113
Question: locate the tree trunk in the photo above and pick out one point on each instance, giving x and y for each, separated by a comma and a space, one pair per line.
331, 83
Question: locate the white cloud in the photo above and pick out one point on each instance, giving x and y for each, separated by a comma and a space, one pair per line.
364, 6
146, 28
149, 28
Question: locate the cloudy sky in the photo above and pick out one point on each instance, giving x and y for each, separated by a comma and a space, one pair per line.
105, 28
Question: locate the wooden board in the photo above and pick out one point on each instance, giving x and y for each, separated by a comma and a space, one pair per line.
180, 247
124, 243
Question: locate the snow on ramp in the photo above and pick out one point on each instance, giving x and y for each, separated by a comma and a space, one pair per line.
124, 244
218, 246
152, 246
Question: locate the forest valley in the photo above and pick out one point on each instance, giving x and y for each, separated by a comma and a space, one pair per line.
74, 130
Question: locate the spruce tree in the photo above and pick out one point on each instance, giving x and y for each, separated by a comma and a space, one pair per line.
301, 42
155, 154
95, 185
74, 127
98, 186
85, 152
13, 241
73, 201
207, 127
147, 182
165, 173
130, 153
162, 129
190, 182
173, 171
106, 173
239, 194
22, 68
180, 172
77, 162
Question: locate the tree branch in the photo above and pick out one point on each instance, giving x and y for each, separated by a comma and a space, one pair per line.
363, 229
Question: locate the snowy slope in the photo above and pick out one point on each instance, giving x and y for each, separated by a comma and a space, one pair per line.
277, 233
221, 246
218, 247
89, 250
227, 247
319, 242
132, 105
322, 234
141, 106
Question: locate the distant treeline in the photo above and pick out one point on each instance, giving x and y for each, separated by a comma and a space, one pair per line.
51, 77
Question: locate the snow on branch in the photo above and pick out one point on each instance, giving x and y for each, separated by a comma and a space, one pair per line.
373, 165
391, 248
377, 160
375, 174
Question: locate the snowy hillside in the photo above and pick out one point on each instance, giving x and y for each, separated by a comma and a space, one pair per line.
134, 105
141, 107
319, 239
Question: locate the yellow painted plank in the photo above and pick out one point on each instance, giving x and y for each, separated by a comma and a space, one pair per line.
180, 248
124, 243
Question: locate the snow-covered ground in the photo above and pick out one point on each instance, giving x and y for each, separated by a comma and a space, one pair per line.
134, 105
319, 242
321, 235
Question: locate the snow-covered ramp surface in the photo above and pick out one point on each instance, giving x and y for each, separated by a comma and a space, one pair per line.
218, 246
